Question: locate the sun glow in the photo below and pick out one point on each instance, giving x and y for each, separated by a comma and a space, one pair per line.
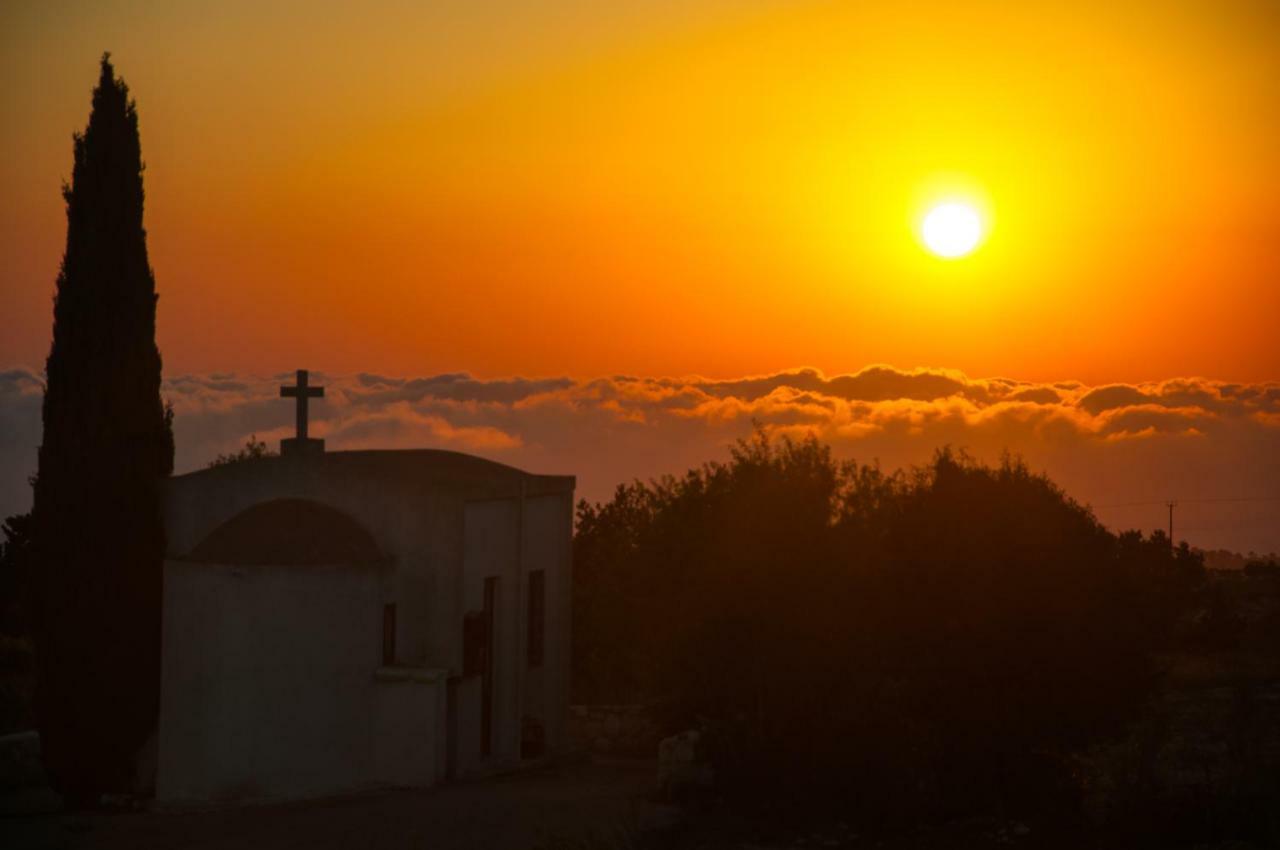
951, 230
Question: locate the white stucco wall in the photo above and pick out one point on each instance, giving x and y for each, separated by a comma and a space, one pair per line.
266, 685
508, 539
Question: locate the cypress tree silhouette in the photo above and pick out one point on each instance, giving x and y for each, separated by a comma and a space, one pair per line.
98, 532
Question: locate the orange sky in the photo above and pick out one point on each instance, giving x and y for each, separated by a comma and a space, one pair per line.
722, 188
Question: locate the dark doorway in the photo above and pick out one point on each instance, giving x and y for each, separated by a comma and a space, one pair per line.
388, 634
488, 662
533, 738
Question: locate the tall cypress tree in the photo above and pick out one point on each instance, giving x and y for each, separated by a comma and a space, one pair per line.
98, 531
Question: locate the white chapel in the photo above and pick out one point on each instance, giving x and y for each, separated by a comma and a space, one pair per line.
337, 621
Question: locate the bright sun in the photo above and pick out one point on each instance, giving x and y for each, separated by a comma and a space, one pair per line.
952, 229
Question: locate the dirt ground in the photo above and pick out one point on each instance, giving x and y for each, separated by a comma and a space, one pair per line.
588, 805
566, 806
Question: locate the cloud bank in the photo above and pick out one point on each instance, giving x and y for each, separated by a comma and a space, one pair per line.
1213, 445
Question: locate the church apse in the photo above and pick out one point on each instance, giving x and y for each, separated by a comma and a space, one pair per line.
292, 532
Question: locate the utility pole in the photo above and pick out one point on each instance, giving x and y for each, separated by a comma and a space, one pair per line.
1171, 505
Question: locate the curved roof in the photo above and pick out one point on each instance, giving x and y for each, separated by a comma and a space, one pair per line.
424, 460
288, 532
426, 464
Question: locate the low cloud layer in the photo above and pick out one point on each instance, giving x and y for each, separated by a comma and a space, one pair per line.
1212, 445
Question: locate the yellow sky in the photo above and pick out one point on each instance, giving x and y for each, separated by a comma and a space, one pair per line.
671, 187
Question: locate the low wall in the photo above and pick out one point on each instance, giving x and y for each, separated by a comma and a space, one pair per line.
619, 730
409, 709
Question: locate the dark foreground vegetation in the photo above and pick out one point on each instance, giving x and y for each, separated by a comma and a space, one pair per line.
953, 642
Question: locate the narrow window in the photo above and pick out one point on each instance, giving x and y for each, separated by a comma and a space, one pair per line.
537, 616
474, 630
388, 634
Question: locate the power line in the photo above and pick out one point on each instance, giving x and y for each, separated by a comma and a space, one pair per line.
1190, 502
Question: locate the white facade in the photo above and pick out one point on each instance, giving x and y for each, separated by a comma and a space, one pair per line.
314, 616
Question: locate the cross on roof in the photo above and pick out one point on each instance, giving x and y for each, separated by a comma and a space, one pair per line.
302, 392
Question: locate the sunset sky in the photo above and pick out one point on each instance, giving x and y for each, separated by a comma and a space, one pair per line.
533, 189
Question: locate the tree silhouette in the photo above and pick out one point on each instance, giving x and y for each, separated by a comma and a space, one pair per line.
98, 537
936, 641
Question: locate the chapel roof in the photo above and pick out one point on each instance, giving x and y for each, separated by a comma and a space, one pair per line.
434, 465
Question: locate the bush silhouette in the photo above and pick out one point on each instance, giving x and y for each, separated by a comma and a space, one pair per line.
253, 449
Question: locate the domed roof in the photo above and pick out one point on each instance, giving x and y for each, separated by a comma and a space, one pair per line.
288, 532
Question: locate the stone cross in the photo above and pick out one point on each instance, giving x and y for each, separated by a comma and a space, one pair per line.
302, 393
